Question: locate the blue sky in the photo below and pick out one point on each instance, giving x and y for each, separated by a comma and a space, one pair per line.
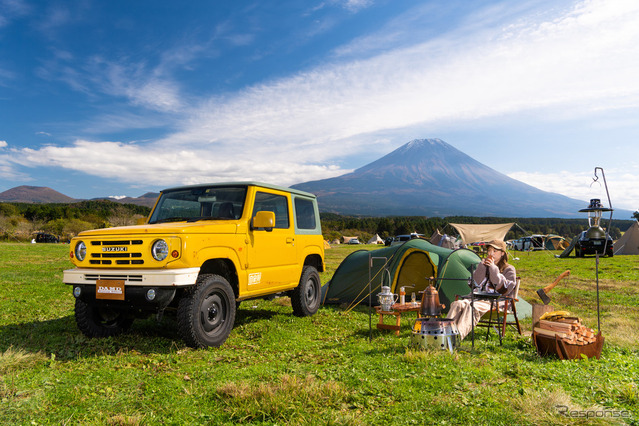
114, 98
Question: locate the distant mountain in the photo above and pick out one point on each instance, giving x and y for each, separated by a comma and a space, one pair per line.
34, 194
44, 195
147, 199
428, 177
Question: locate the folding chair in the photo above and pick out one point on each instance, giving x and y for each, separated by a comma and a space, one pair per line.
499, 316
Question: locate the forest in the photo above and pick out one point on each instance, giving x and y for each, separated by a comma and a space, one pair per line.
20, 221
334, 226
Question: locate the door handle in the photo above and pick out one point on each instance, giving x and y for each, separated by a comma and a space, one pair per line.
290, 240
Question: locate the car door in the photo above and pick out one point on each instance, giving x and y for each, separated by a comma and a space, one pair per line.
272, 260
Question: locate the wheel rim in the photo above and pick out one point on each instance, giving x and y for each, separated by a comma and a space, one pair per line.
311, 292
213, 312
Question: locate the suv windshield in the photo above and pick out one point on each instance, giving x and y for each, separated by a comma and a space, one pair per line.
200, 203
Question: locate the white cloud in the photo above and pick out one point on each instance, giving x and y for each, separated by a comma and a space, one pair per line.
622, 188
298, 128
11, 10
356, 5
156, 166
3, 144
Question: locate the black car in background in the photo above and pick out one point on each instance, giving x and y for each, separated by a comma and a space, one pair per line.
42, 237
586, 245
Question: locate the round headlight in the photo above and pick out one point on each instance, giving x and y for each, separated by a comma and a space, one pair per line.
80, 251
160, 250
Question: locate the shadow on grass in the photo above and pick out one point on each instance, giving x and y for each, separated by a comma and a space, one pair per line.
61, 336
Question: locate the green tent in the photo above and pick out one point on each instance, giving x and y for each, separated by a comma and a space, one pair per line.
408, 264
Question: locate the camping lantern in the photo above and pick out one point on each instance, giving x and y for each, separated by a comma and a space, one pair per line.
386, 299
595, 210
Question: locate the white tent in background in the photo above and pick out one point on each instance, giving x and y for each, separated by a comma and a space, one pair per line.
476, 233
629, 241
375, 240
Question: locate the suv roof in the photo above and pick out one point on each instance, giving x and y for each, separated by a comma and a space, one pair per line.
244, 183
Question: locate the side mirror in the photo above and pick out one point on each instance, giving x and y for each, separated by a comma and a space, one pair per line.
263, 219
141, 221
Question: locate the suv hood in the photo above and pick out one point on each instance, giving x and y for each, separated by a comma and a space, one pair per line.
202, 227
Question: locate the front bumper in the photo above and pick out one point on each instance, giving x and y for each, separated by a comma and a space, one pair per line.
133, 277
136, 298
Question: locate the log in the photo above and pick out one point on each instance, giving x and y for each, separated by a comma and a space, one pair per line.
557, 326
550, 333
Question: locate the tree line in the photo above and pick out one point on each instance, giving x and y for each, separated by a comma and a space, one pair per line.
18, 221
334, 226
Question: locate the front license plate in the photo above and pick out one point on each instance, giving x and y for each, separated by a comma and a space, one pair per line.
109, 289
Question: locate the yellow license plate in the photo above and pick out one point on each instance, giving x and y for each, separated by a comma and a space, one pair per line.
109, 289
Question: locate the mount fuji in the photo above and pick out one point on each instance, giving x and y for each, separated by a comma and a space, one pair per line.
429, 177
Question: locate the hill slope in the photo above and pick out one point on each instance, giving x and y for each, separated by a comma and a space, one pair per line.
432, 178
34, 194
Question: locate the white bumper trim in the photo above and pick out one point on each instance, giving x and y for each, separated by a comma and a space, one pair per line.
134, 277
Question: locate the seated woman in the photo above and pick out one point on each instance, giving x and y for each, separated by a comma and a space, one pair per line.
493, 274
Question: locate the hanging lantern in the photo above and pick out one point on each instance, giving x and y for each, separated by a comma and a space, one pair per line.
595, 209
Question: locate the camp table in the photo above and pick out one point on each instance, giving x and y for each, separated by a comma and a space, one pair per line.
396, 311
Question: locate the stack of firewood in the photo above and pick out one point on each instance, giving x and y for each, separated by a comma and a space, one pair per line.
569, 329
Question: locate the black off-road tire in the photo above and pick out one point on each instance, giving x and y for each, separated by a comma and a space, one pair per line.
94, 321
206, 313
305, 298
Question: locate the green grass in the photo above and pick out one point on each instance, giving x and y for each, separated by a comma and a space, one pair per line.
279, 369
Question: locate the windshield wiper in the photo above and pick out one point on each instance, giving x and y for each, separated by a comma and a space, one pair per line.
172, 219
196, 219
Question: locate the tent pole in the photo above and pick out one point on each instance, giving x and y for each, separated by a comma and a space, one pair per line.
370, 291
597, 278
595, 179
370, 300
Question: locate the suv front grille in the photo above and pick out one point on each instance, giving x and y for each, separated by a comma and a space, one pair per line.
125, 257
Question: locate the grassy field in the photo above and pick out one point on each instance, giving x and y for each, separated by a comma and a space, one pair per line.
279, 369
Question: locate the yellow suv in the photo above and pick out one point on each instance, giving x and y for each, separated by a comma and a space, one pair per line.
202, 250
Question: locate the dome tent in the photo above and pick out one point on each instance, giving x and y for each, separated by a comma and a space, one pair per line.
408, 264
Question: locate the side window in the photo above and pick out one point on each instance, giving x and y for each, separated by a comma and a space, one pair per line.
277, 204
304, 213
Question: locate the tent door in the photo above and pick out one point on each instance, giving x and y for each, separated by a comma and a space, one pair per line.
415, 270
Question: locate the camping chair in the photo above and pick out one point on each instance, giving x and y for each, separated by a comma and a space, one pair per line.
500, 317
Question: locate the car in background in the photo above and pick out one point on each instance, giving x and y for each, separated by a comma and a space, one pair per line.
586, 245
43, 237
522, 244
401, 239
533, 242
353, 241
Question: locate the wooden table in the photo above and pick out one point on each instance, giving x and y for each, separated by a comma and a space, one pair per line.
397, 311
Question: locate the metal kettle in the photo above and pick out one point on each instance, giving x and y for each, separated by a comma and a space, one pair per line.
386, 299
430, 301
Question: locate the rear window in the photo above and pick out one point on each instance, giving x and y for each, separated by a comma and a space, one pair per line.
305, 214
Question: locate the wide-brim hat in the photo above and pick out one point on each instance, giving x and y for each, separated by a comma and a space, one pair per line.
499, 245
